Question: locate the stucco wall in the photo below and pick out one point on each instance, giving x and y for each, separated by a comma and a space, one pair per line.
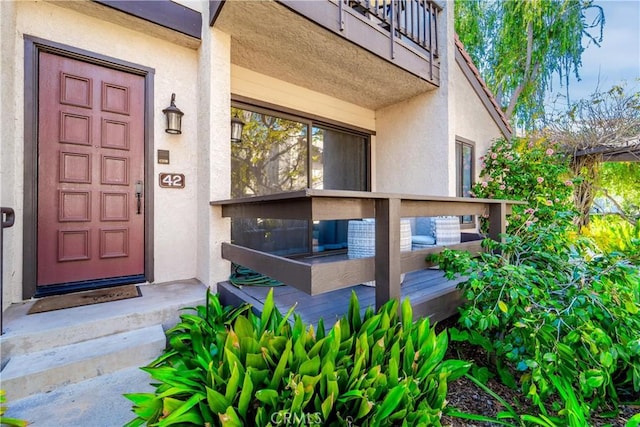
254, 85
415, 145
10, 182
472, 120
214, 151
176, 70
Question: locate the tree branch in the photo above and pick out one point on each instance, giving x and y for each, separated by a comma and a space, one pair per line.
621, 211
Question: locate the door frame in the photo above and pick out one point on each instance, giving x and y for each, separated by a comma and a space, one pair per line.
32, 48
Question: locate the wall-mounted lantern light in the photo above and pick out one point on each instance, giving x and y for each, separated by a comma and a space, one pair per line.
174, 117
236, 128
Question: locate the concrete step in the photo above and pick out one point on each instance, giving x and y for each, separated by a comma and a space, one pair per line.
45, 370
97, 402
159, 304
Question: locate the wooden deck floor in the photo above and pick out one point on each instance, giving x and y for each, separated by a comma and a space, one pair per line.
430, 293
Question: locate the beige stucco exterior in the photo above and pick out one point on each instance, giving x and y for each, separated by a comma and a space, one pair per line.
412, 151
472, 120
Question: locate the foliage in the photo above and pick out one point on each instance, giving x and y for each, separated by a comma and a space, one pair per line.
594, 130
231, 367
527, 170
621, 180
272, 156
519, 46
548, 310
6, 421
512, 417
612, 234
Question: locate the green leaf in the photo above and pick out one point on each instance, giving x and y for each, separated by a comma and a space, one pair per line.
354, 313
631, 307
407, 315
245, 395
633, 421
280, 368
267, 310
233, 383
267, 396
230, 418
389, 404
503, 307
454, 369
365, 407
216, 401
310, 367
327, 406
180, 412
298, 398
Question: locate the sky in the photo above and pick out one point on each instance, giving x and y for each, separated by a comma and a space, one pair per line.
618, 57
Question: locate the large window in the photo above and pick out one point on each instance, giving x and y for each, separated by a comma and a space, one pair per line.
281, 152
465, 172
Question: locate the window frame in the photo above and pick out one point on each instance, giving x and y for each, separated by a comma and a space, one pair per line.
461, 143
310, 121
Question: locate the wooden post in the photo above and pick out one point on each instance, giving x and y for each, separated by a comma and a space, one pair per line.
497, 220
387, 259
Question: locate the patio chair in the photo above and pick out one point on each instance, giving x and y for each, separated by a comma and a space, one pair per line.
362, 240
429, 232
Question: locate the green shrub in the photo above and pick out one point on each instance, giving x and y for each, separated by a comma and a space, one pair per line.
230, 367
546, 309
531, 170
613, 234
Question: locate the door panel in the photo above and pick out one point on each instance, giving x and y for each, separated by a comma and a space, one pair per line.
90, 157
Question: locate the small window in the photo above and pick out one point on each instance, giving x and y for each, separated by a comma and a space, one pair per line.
465, 154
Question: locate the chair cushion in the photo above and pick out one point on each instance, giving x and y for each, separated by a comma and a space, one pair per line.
447, 230
424, 226
423, 240
470, 237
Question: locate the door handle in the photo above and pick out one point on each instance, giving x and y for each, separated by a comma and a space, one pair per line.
139, 188
8, 217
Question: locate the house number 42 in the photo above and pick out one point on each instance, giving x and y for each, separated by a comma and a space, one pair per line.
171, 180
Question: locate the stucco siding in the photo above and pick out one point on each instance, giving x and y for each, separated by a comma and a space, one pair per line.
214, 154
415, 145
258, 86
411, 146
11, 185
472, 120
175, 71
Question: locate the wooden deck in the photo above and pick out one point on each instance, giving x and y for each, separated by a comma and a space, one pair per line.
430, 293
319, 278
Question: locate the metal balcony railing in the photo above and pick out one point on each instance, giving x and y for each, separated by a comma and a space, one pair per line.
413, 20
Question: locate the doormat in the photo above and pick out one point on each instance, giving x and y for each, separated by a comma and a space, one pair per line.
58, 302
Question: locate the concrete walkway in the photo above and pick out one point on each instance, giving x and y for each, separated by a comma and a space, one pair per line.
97, 402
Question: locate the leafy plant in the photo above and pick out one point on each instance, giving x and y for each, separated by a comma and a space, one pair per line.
232, 367
613, 234
528, 170
6, 421
548, 310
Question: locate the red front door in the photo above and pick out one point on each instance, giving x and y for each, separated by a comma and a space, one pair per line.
90, 171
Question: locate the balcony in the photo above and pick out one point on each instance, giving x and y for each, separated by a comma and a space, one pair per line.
372, 53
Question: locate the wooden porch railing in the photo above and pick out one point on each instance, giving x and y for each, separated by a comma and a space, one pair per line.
323, 274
